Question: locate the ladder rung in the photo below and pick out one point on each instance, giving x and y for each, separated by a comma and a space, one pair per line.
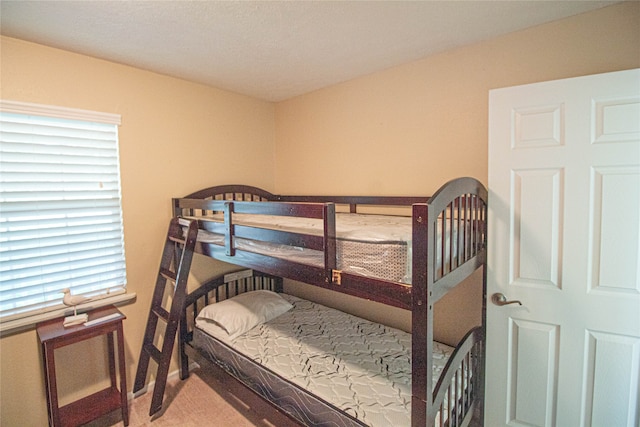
161, 313
177, 239
153, 351
168, 274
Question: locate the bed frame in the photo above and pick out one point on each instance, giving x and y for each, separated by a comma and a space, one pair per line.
458, 210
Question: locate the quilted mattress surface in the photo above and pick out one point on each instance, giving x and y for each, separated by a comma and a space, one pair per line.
362, 368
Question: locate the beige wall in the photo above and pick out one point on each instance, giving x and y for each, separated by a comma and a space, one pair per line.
172, 133
409, 129
392, 132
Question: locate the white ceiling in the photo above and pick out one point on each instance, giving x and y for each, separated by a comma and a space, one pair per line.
272, 50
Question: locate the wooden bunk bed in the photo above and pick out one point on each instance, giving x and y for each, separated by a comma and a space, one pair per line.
447, 244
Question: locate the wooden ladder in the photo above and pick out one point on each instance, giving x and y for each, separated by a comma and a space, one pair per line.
174, 268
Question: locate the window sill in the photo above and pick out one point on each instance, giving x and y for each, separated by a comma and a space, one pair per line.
22, 324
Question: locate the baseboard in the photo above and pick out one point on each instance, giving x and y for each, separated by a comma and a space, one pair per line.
149, 387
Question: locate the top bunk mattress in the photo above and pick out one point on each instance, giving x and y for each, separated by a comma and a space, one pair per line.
377, 246
361, 367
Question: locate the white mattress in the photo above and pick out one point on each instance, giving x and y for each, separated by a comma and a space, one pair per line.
376, 246
361, 367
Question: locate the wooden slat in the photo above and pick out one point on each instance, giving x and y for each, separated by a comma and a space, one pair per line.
168, 274
161, 313
153, 352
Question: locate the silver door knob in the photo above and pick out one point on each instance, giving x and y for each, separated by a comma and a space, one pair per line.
500, 299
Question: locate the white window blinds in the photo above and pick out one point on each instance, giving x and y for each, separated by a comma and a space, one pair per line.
60, 207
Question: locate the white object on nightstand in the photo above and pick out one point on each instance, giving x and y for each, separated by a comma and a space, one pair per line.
73, 301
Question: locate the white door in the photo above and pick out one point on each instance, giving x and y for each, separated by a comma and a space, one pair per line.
564, 240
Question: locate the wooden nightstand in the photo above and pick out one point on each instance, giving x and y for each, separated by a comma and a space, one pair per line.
52, 335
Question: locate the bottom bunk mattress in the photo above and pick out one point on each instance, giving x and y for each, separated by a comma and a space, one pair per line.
309, 359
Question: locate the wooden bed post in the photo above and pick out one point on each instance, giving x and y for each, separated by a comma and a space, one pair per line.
422, 321
329, 225
479, 413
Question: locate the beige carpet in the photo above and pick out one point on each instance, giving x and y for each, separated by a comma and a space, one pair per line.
204, 399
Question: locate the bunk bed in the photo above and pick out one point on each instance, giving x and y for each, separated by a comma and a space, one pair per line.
434, 244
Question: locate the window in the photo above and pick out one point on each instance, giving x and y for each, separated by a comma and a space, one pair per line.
60, 208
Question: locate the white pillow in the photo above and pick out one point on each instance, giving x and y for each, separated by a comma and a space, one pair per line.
239, 314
